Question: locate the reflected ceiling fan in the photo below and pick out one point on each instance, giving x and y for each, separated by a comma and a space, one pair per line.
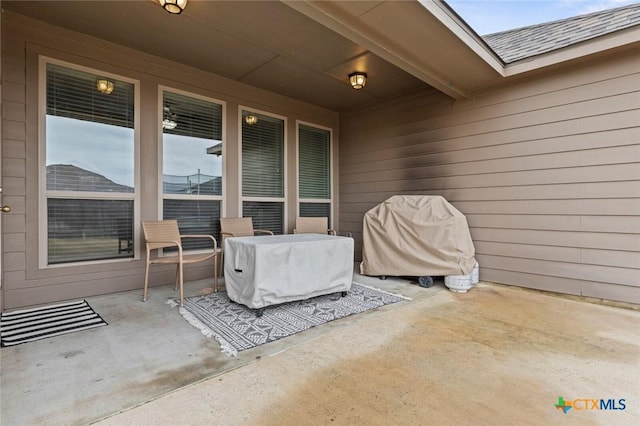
169, 119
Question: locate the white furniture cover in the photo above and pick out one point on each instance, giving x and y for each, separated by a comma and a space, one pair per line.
267, 270
416, 235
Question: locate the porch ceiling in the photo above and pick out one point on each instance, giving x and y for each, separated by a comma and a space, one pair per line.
300, 50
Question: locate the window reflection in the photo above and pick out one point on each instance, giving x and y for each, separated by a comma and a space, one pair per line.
89, 156
189, 168
89, 150
192, 164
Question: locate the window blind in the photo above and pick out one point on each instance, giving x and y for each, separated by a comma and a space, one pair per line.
265, 215
195, 217
314, 162
194, 117
84, 229
263, 157
72, 93
316, 210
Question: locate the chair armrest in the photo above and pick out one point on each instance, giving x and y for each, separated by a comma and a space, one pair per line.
215, 243
332, 232
262, 231
177, 243
227, 234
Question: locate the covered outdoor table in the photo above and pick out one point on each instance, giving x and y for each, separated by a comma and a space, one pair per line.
268, 270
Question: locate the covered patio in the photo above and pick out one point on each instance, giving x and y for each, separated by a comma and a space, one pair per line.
537, 147
494, 355
535, 143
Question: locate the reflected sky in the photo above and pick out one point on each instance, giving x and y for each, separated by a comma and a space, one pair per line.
109, 150
100, 148
186, 155
491, 16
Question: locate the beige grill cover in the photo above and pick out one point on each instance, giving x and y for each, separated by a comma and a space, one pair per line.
416, 235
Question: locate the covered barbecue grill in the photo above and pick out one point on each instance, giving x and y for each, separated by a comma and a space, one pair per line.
416, 235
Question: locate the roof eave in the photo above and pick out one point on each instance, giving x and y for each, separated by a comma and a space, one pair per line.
445, 14
385, 46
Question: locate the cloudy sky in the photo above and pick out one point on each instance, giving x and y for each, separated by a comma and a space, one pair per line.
491, 16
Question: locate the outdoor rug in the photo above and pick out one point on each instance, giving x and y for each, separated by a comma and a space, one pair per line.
237, 328
38, 323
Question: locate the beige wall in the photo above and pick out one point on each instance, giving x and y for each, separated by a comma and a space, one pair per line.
546, 168
23, 40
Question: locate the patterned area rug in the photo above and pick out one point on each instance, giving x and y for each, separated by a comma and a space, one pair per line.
28, 325
237, 328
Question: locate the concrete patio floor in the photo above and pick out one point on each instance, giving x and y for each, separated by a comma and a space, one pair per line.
494, 355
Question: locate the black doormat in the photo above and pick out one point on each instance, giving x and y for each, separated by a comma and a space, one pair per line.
28, 325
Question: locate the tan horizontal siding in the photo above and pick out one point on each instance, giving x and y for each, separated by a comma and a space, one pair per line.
546, 169
598, 190
615, 112
623, 259
610, 224
24, 293
492, 148
501, 103
13, 149
611, 292
603, 290
617, 207
416, 166
607, 241
29, 292
14, 242
608, 173
576, 271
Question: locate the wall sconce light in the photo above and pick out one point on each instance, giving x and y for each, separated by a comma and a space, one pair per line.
105, 86
251, 119
169, 119
358, 79
174, 6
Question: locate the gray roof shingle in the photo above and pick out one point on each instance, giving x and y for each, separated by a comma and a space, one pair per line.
520, 43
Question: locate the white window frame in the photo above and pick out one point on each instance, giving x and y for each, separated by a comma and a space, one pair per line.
241, 198
44, 194
331, 183
161, 195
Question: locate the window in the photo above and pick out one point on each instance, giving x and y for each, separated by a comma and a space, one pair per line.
314, 171
192, 165
89, 166
263, 170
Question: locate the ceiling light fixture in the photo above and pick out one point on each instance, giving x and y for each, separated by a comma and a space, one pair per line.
358, 79
105, 86
251, 119
169, 119
173, 6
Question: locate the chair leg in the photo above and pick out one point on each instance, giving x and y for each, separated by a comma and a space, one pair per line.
180, 268
146, 282
215, 273
175, 287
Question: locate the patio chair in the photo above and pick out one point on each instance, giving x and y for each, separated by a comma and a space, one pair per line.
162, 234
313, 225
237, 227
